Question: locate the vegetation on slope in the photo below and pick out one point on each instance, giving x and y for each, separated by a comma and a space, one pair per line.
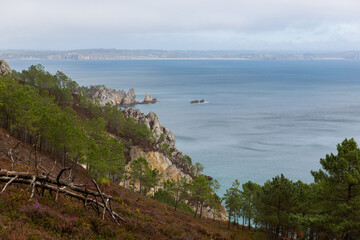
52, 115
44, 218
329, 208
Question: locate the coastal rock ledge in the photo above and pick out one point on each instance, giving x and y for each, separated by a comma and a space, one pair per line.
4, 67
105, 95
151, 121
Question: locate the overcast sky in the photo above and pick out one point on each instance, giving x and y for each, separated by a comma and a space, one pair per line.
181, 24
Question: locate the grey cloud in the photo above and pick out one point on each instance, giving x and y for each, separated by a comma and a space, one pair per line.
226, 22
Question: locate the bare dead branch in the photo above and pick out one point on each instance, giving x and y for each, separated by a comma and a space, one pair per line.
8, 183
60, 173
51, 184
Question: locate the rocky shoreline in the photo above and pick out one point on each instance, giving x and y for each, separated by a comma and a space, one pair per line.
170, 162
104, 95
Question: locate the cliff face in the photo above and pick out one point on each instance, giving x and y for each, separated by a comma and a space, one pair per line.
169, 171
166, 158
4, 67
159, 161
151, 121
171, 165
114, 97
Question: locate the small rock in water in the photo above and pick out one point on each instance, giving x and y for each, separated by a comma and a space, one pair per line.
197, 101
148, 98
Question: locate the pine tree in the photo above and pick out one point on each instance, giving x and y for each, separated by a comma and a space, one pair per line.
339, 191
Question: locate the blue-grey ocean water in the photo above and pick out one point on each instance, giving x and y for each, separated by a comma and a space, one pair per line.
260, 119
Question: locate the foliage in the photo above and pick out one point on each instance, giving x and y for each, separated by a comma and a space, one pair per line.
232, 200
326, 209
166, 197
339, 191
196, 169
201, 193
141, 173
187, 160
178, 189
165, 148
37, 110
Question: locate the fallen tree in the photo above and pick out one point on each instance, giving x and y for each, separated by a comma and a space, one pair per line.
87, 196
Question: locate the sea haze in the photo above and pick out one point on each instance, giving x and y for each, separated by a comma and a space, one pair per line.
260, 119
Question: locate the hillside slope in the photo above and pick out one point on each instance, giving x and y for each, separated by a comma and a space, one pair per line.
43, 218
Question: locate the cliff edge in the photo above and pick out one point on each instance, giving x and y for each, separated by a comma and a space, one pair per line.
166, 158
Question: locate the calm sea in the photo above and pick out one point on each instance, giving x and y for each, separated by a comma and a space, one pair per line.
260, 119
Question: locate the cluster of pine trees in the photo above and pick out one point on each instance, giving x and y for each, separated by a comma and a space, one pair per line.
54, 115
329, 208
39, 108
199, 192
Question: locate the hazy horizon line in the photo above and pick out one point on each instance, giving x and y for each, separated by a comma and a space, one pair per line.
178, 50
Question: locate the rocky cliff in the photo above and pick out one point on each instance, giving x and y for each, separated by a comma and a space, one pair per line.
115, 97
169, 161
106, 95
151, 121
165, 157
4, 67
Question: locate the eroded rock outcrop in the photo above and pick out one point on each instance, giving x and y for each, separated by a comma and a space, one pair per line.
148, 98
171, 166
159, 161
106, 95
151, 121
165, 165
4, 67
115, 97
130, 98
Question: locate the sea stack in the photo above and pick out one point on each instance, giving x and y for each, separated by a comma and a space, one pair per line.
148, 98
4, 67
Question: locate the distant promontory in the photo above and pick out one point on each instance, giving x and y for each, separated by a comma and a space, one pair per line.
114, 97
124, 54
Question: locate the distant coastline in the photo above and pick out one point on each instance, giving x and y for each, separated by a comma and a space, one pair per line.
120, 54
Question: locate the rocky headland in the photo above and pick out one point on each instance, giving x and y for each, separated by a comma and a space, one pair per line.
165, 157
106, 95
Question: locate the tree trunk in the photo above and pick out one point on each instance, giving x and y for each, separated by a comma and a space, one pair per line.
229, 221
249, 223
35, 146
237, 221
176, 203
197, 207
64, 157
140, 186
277, 232
201, 207
243, 225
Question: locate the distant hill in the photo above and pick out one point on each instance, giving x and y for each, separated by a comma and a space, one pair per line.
123, 54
